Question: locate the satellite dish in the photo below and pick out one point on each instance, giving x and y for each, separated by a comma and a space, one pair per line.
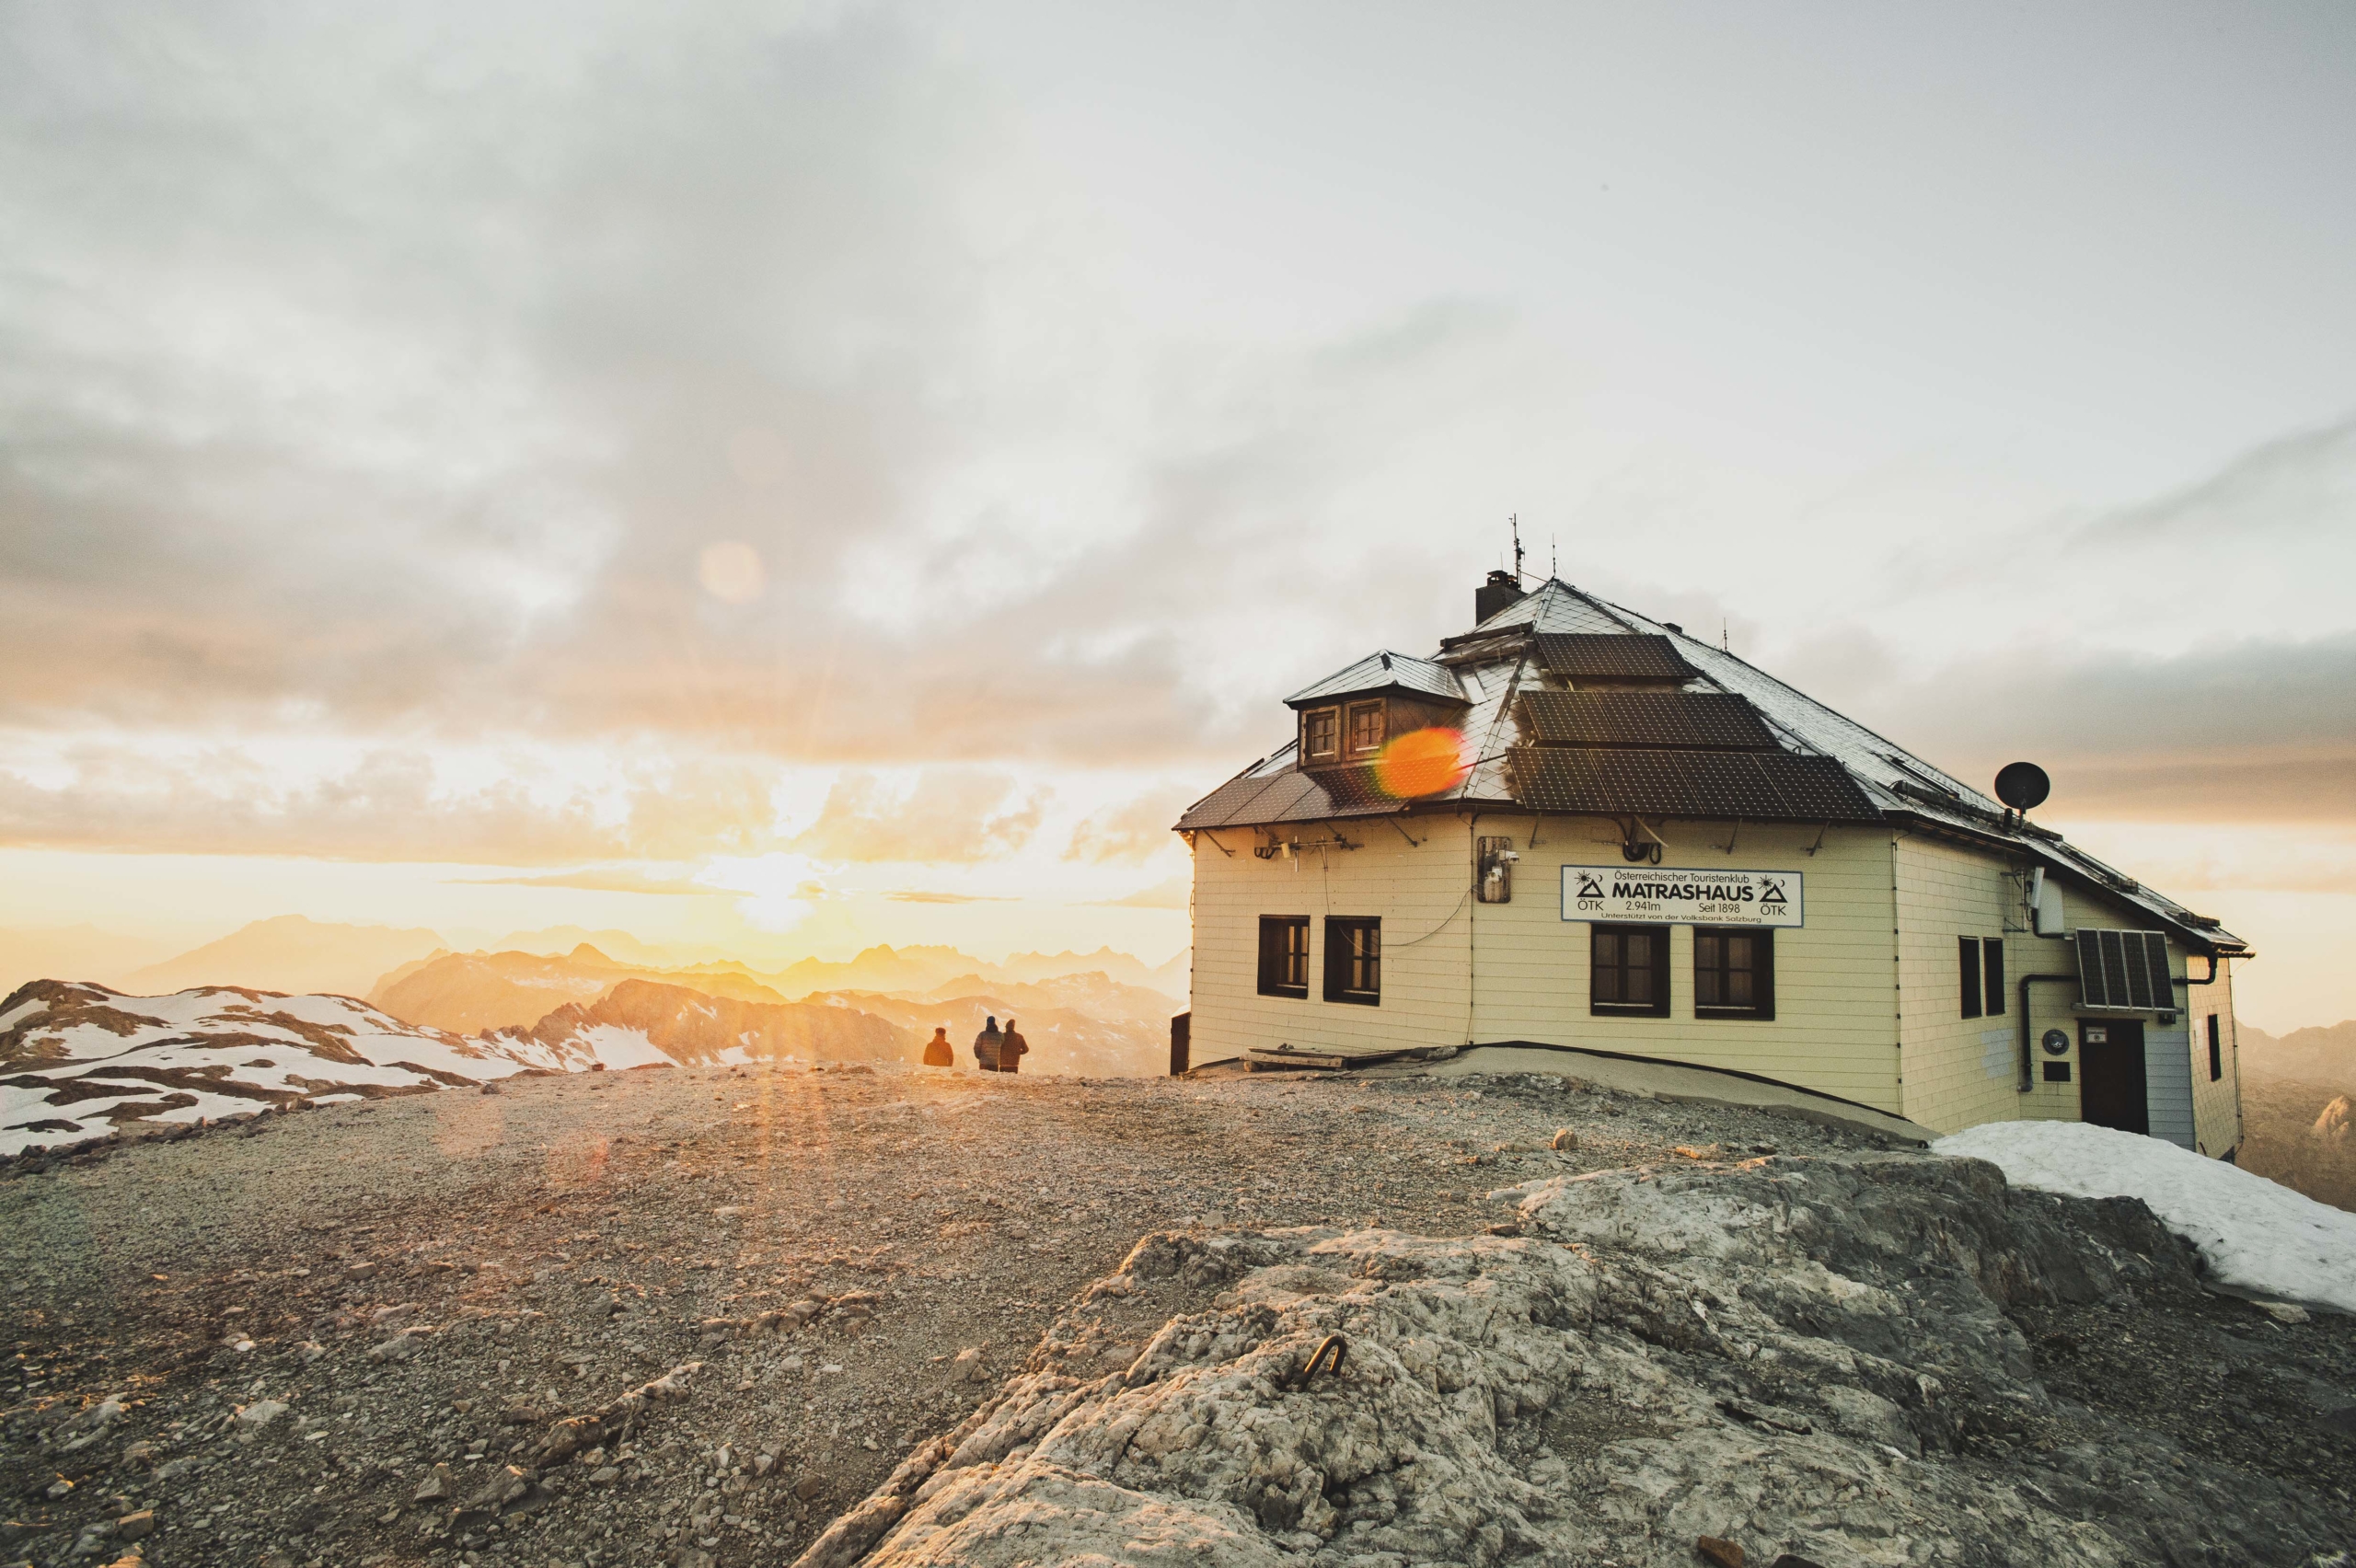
2023, 786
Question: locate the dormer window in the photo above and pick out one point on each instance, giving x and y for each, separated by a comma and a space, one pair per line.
1321, 734
1344, 719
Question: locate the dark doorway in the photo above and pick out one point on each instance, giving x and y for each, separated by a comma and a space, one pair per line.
2110, 1073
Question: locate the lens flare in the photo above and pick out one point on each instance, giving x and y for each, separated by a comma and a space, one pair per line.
731, 572
1421, 762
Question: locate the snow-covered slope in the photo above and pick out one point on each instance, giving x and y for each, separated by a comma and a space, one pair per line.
78, 1060
2256, 1235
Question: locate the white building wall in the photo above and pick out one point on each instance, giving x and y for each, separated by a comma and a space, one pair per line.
1962, 1071
2053, 1005
2216, 1103
2184, 1108
1835, 1028
2167, 1079
1420, 890
1866, 989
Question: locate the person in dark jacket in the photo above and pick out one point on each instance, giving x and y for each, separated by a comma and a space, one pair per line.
1011, 1050
986, 1046
937, 1052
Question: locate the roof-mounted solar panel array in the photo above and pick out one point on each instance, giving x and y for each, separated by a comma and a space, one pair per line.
1613, 656
1716, 720
1835, 770
2127, 970
1265, 799
1767, 786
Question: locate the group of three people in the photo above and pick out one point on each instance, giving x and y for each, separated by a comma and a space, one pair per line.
995, 1050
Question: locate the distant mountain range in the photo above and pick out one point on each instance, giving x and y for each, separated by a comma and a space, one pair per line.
1076, 1022
1062, 1039
640, 1024
295, 955
289, 955
910, 969
79, 1060
2323, 1053
2295, 1090
468, 992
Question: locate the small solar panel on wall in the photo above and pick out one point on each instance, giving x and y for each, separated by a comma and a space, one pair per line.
2124, 969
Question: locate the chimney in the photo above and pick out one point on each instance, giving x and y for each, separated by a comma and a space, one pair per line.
1495, 594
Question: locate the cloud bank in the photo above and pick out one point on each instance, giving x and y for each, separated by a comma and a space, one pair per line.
740, 389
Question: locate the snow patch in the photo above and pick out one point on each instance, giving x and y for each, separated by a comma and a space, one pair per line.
2255, 1234
621, 1048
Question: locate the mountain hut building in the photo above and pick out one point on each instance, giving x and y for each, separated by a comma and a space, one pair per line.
1659, 851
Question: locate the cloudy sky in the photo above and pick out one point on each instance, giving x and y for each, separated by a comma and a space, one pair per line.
796, 476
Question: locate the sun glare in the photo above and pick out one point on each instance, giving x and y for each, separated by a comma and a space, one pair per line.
731, 572
775, 892
1421, 762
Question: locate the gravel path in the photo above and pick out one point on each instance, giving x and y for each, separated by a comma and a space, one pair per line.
324, 1337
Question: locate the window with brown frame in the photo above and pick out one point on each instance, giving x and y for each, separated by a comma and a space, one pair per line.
2216, 1052
1734, 973
1321, 734
1284, 955
1628, 970
1354, 959
1366, 728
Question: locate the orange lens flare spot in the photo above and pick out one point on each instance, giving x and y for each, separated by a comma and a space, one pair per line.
1421, 762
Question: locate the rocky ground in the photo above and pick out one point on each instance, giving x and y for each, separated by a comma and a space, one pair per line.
694, 1317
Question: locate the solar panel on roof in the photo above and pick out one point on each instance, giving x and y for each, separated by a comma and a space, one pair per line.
1753, 785
1613, 656
1292, 797
1223, 804
1656, 718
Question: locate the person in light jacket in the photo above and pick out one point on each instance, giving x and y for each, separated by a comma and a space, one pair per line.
1011, 1050
986, 1046
937, 1051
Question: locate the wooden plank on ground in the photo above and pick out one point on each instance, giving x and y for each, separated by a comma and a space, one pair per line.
1321, 1057
1293, 1061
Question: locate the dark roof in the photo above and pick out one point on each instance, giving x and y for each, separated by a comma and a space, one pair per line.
1611, 656
1622, 781
1656, 718
1385, 671
1495, 663
1259, 798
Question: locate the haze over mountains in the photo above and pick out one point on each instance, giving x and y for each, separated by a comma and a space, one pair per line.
269, 1015
2298, 1098
291, 954
297, 955
287, 953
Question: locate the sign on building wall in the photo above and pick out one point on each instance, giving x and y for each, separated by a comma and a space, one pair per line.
1658, 894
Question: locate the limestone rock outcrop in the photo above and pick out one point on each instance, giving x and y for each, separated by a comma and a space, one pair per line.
1803, 1356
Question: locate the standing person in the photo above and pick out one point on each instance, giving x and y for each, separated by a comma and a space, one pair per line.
986, 1046
1011, 1050
937, 1052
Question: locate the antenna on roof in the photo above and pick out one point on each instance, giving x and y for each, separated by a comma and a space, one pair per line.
1553, 561
1724, 646
1516, 521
